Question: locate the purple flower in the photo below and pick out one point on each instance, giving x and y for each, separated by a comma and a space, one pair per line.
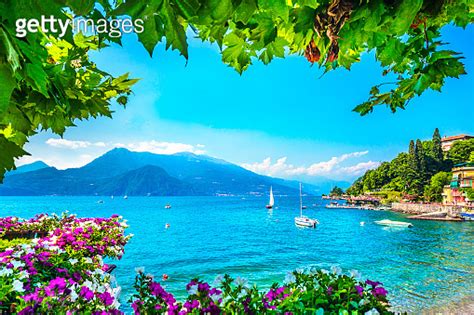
135, 305
379, 291
360, 290
329, 290
106, 298
372, 283
86, 293
56, 285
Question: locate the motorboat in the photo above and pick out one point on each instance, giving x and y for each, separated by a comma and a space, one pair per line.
393, 223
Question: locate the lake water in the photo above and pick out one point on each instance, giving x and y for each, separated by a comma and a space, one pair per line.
427, 265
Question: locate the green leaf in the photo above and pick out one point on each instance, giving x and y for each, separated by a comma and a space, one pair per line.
175, 32
277, 8
7, 84
245, 11
9, 151
188, 8
38, 78
391, 52
274, 49
236, 53
154, 32
81, 7
405, 14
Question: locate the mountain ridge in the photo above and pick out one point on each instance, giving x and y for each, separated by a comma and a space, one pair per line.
123, 172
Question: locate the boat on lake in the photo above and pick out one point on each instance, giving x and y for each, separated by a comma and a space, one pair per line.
271, 202
303, 221
168, 206
393, 223
125, 197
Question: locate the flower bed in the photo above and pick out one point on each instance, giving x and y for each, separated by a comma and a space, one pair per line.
303, 292
63, 272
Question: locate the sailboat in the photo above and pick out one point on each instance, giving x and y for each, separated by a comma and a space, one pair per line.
271, 202
303, 221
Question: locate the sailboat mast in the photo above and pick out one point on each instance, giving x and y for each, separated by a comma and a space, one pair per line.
301, 203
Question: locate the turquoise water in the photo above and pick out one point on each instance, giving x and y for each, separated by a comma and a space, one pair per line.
428, 265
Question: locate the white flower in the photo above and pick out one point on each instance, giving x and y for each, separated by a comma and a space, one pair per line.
215, 297
193, 289
23, 274
324, 271
88, 260
5, 272
355, 274
140, 269
300, 270
242, 293
336, 270
74, 296
241, 281
218, 280
18, 286
73, 261
290, 278
372, 312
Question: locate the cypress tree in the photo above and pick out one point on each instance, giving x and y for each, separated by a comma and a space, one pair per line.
420, 160
437, 149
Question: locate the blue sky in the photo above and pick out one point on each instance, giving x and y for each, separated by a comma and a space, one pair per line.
282, 119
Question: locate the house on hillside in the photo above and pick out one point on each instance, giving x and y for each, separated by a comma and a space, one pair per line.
447, 142
463, 178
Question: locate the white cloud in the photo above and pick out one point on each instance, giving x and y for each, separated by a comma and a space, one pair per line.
73, 144
160, 147
326, 168
359, 168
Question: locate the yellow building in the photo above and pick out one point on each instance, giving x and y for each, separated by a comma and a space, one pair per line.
463, 177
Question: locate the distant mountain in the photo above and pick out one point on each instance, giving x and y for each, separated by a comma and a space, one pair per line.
146, 181
28, 168
122, 172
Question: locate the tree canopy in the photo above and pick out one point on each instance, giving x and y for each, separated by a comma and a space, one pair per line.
47, 82
336, 191
421, 172
461, 151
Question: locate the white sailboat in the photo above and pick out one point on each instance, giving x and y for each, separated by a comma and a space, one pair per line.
303, 221
271, 202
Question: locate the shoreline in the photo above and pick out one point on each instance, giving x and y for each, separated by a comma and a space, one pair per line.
461, 307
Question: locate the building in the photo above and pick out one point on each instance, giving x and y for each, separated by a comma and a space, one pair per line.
463, 177
447, 142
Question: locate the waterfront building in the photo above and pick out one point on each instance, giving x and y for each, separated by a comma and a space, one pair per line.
463, 178
447, 142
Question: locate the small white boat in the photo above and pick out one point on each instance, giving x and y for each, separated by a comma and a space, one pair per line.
168, 207
125, 197
303, 221
271, 202
394, 223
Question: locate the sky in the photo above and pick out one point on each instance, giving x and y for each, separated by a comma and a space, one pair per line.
284, 119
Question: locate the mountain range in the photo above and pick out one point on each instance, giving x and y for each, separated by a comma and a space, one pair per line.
123, 172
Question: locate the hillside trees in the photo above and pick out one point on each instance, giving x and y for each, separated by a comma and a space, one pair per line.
422, 171
461, 151
434, 190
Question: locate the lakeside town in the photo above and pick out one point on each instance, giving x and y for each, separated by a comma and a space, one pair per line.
453, 196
